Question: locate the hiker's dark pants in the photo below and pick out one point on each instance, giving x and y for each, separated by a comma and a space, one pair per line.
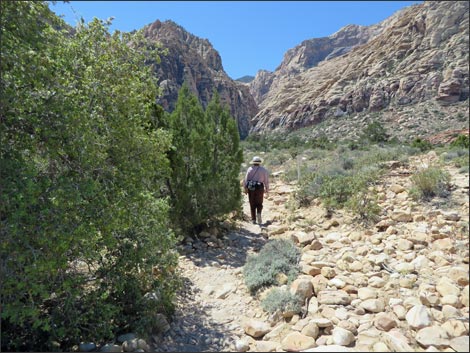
256, 201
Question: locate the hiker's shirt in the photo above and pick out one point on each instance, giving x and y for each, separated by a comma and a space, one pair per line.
257, 173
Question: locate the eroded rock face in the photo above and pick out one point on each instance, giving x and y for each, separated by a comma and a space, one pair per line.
193, 60
419, 55
309, 53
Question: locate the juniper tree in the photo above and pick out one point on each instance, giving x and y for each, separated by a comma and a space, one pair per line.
205, 162
225, 195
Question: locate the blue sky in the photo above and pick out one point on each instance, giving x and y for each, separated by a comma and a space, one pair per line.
249, 35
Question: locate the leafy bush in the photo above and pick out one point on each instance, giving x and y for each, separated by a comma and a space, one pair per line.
321, 142
281, 300
365, 206
375, 132
336, 190
82, 222
461, 141
347, 163
277, 256
459, 157
430, 182
422, 145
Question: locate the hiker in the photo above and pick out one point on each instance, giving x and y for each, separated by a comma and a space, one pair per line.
256, 182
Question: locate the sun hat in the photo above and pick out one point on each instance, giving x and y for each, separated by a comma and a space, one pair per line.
256, 160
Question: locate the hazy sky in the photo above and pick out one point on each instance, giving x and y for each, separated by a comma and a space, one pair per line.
249, 35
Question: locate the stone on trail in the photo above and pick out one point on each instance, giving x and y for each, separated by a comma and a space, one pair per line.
295, 341
256, 328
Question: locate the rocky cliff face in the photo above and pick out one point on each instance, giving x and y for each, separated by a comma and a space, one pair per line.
309, 53
193, 60
418, 58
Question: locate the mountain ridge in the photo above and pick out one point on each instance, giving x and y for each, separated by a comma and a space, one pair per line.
394, 71
419, 55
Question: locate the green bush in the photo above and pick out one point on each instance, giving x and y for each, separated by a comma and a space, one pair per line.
459, 158
281, 300
375, 132
83, 224
430, 182
365, 206
422, 145
336, 190
347, 163
277, 256
461, 141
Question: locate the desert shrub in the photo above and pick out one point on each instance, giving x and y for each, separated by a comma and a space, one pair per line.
277, 256
281, 300
458, 157
422, 145
461, 141
354, 145
321, 142
375, 132
277, 158
377, 155
336, 190
310, 186
430, 182
364, 204
205, 163
347, 163
464, 169
292, 173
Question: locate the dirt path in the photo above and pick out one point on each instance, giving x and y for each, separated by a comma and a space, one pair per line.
215, 301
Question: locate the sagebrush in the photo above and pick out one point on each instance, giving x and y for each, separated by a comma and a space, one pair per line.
277, 256
281, 300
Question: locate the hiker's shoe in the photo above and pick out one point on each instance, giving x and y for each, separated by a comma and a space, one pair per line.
258, 218
253, 221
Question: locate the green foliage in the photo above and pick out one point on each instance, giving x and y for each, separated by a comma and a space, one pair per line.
422, 145
335, 186
347, 163
459, 157
224, 194
430, 182
277, 256
205, 162
364, 204
335, 190
375, 132
461, 141
281, 300
82, 164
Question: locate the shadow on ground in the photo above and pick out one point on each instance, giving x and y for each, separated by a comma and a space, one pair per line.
240, 243
192, 327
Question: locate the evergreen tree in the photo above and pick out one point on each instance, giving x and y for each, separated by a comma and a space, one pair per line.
190, 161
205, 162
224, 194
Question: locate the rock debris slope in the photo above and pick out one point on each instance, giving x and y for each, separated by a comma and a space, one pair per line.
399, 285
